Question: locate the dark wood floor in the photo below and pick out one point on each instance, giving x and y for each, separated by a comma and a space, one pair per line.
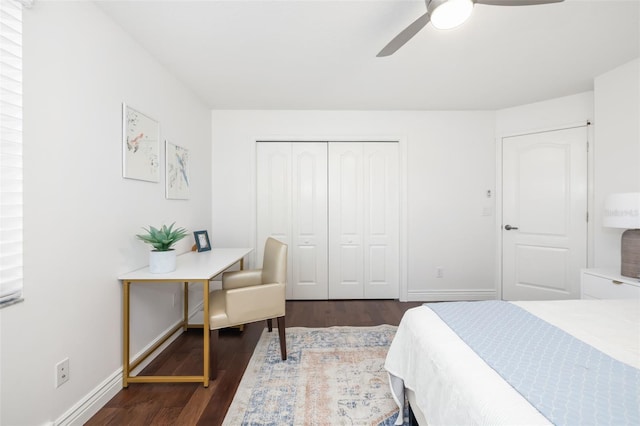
192, 404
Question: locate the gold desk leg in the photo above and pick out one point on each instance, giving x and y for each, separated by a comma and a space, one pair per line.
242, 264
205, 331
185, 304
125, 333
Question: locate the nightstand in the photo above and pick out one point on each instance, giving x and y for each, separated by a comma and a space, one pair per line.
607, 284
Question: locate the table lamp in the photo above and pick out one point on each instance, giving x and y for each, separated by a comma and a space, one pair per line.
623, 211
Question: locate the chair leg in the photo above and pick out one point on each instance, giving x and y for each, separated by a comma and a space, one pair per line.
283, 340
213, 354
270, 325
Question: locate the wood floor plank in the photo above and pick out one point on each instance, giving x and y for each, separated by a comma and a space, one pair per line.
105, 416
199, 400
167, 416
185, 404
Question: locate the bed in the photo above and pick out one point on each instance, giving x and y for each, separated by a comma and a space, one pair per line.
447, 383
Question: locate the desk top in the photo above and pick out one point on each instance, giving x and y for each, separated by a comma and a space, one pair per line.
193, 266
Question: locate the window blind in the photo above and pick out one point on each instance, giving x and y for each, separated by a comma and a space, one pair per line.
10, 151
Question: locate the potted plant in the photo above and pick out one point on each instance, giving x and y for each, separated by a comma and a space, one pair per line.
162, 258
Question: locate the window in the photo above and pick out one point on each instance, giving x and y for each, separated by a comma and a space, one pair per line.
10, 152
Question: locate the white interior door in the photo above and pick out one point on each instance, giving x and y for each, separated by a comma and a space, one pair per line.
346, 221
381, 221
544, 233
363, 220
292, 207
336, 205
273, 189
309, 221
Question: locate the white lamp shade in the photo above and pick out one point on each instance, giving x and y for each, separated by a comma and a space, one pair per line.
622, 211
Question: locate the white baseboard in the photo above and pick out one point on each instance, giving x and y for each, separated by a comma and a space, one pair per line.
450, 295
88, 406
80, 413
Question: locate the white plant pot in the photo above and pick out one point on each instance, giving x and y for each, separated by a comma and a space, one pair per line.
162, 262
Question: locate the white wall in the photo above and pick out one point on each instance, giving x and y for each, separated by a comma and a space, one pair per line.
81, 215
550, 114
617, 150
449, 165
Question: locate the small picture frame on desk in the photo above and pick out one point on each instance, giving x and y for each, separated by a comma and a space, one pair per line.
202, 241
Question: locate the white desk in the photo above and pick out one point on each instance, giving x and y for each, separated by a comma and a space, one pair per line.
191, 267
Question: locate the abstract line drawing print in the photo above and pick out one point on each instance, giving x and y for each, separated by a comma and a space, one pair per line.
177, 172
140, 151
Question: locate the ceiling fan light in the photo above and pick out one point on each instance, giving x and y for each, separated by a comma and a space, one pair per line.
451, 13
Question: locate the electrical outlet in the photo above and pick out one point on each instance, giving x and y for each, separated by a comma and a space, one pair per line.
62, 372
439, 272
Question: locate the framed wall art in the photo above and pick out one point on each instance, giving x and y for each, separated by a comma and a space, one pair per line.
140, 146
177, 169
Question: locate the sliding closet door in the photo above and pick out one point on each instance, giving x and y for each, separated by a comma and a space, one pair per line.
363, 220
292, 207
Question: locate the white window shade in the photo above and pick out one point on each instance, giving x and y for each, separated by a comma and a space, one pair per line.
10, 151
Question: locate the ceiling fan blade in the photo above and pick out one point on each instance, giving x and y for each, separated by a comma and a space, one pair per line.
516, 2
404, 36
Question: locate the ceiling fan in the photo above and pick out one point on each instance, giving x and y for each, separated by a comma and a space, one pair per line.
447, 14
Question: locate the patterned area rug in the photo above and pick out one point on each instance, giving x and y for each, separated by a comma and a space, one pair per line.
333, 376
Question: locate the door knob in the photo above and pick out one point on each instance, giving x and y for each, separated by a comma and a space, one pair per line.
509, 227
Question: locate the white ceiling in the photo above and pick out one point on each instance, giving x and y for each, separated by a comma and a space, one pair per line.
318, 54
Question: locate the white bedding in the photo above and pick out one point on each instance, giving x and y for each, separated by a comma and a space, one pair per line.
454, 386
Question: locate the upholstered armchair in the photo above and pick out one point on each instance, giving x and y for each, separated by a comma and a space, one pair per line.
251, 296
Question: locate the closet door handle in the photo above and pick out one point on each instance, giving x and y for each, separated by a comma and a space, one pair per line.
509, 227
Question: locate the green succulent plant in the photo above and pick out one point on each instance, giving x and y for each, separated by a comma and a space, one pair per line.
164, 238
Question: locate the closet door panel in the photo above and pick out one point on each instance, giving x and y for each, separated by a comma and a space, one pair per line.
273, 179
345, 221
381, 220
309, 221
337, 207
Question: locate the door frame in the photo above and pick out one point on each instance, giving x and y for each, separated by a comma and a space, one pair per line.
499, 196
402, 169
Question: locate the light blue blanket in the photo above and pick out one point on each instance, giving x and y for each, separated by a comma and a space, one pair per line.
567, 380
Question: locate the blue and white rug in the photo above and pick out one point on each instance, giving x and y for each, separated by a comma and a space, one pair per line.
333, 376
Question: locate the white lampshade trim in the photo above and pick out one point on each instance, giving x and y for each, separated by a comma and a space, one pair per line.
622, 211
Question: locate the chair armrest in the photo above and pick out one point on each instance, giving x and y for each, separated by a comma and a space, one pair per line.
238, 279
255, 303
